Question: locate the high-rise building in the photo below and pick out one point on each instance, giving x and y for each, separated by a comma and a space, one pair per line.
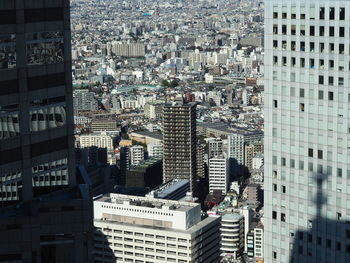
179, 141
44, 215
306, 131
155, 149
250, 150
218, 174
145, 229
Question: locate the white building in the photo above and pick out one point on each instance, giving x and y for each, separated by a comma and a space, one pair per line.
98, 139
218, 174
141, 229
232, 235
155, 149
137, 154
258, 161
237, 140
307, 131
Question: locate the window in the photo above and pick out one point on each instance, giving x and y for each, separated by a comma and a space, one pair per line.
331, 47
312, 63
321, 47
302, 93
300, 235
275, 44
284, 29
338, 216
275, 103
338, 246
319, 154
311, 167
342, 13
341, 31
341, 48
38, 44
322, 12
274, 215
293, 30
275, 14
8, 57
329, 243
340, 81
339, 172
321, 29
284, 15
301, 165
309, 238
331, 13
283, 189
275, 29
319, 241
274, 159
302, 62
320, 80
274, 187
275, 60
331, 31
293, 45
284, 61
292, 163
302, 46
283, 217
312, 30
302, 107
320, 94
283, 161
330, 95
274, 254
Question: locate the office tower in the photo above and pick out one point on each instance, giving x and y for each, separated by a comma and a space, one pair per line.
214, 147
44, 215
232, 235
179, 141
155, 149
306, 130
218, 174
137, 154
153, 230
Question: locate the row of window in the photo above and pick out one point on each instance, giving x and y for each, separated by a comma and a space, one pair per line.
137, 210
333, 13
321, 31
33, 15
320, 167
312, 64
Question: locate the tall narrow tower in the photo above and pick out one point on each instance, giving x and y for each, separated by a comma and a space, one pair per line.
40, 203
179, 140
307, 141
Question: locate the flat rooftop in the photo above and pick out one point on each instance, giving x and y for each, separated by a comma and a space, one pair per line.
146, 202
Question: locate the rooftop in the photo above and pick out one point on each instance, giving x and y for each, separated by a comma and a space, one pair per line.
147, 202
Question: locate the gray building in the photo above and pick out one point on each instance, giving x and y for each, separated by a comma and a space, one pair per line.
44, 215
84, 100
307, 131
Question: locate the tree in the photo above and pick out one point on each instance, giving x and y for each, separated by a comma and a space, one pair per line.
174, 83
165, 83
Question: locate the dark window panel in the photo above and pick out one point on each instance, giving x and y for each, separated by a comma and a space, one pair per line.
43, 15
8, 87
47, 81
50, 146
7, 17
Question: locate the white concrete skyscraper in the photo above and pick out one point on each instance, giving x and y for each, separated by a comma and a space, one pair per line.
307, 142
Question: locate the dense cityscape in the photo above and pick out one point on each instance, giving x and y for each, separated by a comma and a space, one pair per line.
187, 131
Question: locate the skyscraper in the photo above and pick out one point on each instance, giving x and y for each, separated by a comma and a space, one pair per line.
306, 131
179, 141
47, 216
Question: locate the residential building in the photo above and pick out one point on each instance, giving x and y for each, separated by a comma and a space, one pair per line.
137, 154
214, 147
218, 174
155, 149
157, 230
44, 215
179, 141
98, 139
250, 150
84, 100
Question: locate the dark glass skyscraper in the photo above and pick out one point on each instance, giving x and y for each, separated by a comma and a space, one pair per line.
47, 216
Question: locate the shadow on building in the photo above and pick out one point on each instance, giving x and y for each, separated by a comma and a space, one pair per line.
102, 251
326, 240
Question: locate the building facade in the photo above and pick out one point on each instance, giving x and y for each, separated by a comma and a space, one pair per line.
218, 174
179, 142
100, 140
306, 131
137, 154
37, 169
153, 230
